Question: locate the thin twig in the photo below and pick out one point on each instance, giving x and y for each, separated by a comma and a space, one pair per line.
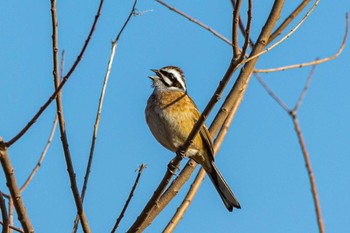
13, 188
288, 20
293, 115
235, 25
61, 121
306, 87
316, 62
64, 80
99, 110
196, 22
12, 228
42, 156
310, 173
240, 87
271, 93
121, 215
10, 203
5, 219
286, 36
247, 31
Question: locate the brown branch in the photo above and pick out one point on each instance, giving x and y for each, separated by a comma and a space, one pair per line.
247, 31
293, 115
310, 173
306, 87
42, 156
316, 62
288, 20
10, 203
61, 121
239, 87
12, 228
13, 188
121, 215
64, 80
286, 36
5, 219
196, 22
271, 93
99, 110
235, 25
152, 202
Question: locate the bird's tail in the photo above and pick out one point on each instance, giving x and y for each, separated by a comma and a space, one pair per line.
223, 189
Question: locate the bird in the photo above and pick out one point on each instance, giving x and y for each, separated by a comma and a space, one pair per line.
171, 114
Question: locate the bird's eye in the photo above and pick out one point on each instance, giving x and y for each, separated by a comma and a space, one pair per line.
171, 75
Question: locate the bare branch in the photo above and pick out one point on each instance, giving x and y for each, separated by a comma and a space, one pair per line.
271, 93
235, 25
36, 168
61, 121
5, 219
64, 80
247, 31
140, 169
316, 62
309, 170
196, 22
286, 36
99, 110
12, 228
13, 188
293, 115
306, 87
288, 20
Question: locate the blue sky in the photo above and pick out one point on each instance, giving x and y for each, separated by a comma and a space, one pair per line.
260, 157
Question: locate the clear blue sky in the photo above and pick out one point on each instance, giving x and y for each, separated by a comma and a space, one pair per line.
260, 158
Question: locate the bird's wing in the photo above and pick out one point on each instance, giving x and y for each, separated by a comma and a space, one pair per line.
205, 135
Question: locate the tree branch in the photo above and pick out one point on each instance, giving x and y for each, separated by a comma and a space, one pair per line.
68, 159
121, 215
196, 22
64, 80
316, 62
13, 188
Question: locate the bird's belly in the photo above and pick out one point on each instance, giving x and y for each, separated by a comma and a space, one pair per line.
171, 130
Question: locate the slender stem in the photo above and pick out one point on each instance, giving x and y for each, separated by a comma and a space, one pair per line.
235, 25
14, 190
196, 22
5, 219
64, 80
288, 20
316, 62
121, 215
309, 170
61, 121
36, 168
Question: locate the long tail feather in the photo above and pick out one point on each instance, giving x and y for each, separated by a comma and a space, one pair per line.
223, 189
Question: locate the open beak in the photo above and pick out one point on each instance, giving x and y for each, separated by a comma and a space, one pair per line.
157, 74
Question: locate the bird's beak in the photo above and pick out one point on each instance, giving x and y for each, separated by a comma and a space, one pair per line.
157, 74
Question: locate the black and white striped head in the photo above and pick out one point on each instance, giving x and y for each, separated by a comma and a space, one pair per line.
169, 78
